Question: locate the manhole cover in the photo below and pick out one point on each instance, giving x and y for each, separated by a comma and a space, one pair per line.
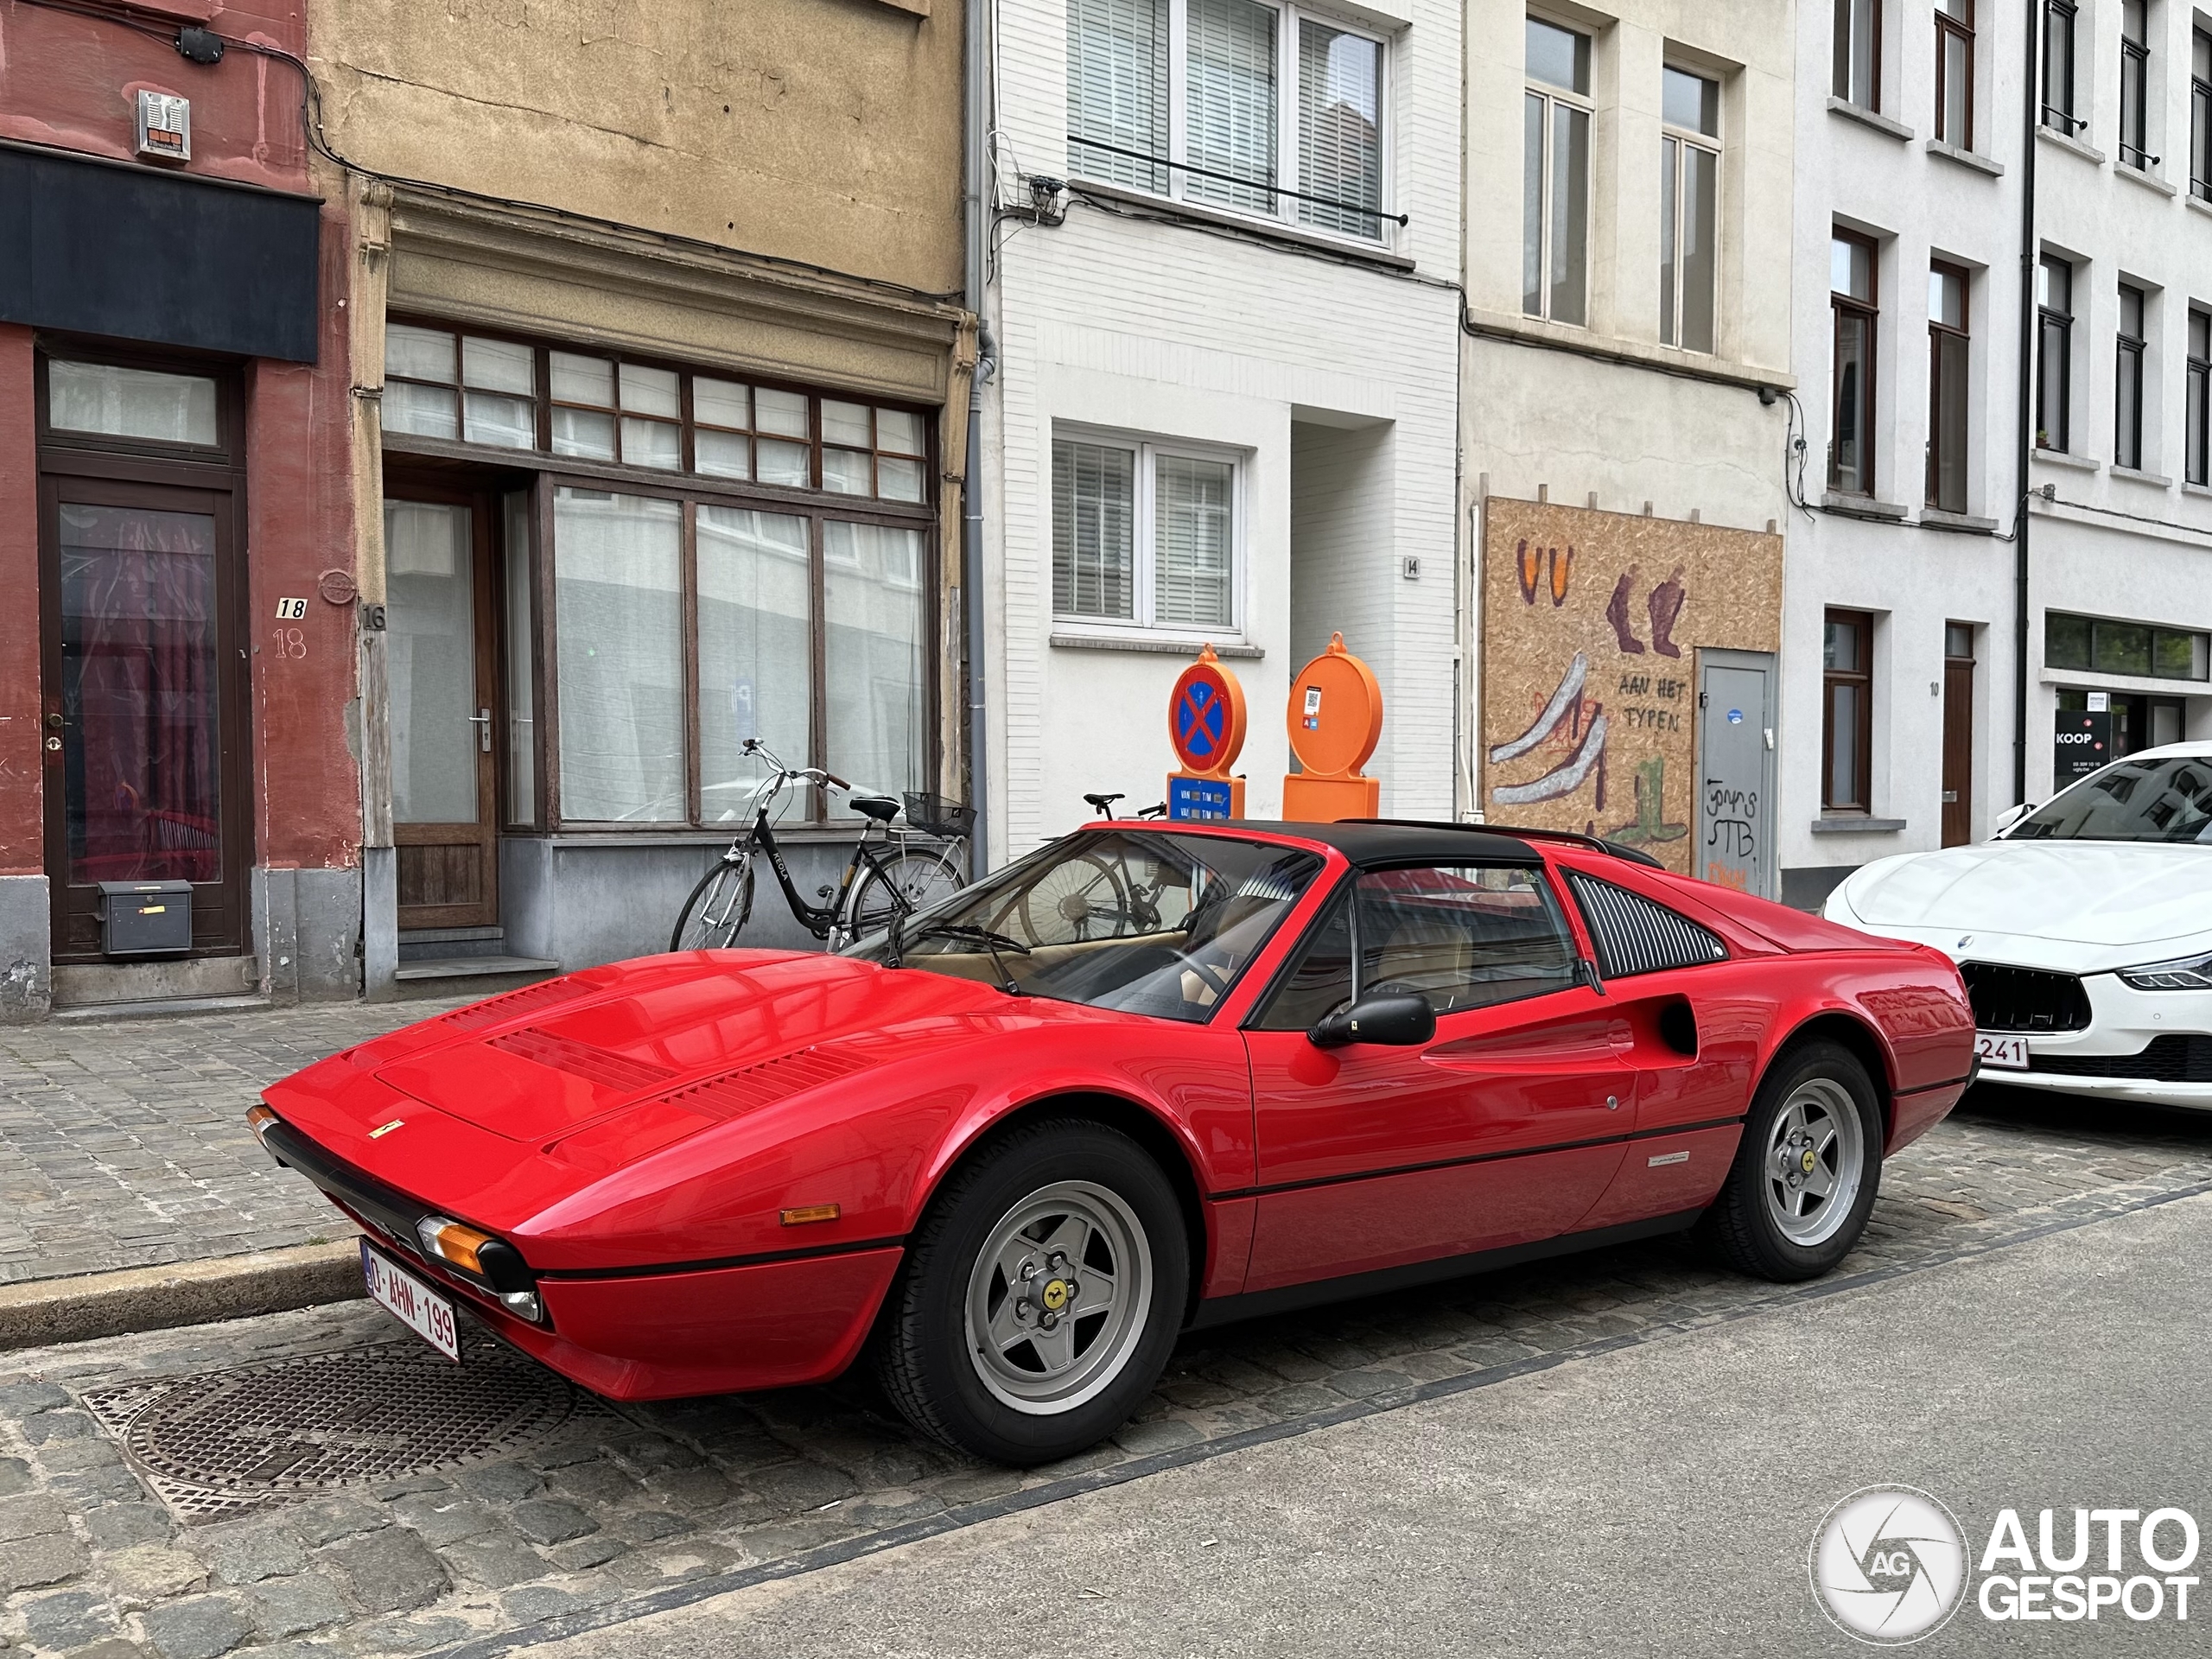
224, 1442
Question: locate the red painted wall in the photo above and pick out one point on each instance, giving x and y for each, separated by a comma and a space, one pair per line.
72, 82
22, 839
69, 81
300, 525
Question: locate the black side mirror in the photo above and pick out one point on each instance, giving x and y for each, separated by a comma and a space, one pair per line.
1400, 1021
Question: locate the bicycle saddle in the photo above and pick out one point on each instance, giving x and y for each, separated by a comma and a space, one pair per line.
1102, 802
881, 808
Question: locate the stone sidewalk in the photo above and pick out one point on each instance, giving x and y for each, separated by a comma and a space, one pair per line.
125, 1144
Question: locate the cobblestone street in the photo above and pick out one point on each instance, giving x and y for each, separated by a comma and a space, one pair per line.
123, 1144
578, 1519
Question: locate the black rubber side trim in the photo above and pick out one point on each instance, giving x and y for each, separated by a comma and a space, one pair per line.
1477, 1158
1260, 1304
660, 1269
1948, 1083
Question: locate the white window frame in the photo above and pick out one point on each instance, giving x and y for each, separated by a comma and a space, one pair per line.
1713, 144
1586, 102
1150, 449
1287, 19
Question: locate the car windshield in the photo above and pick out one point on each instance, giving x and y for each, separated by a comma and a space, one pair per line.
2168, 799
1145, 921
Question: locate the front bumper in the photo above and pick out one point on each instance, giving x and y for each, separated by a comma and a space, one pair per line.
724, 1327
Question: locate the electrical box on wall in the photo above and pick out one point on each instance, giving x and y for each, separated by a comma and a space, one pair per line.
165, 126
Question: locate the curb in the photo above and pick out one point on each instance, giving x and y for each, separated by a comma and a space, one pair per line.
42, 1311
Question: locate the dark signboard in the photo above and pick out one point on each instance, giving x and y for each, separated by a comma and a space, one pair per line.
2080, 744
132, 252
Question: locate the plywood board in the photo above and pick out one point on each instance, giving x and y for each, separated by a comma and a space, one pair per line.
1591, 625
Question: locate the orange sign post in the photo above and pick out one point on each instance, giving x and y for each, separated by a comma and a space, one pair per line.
1205, 722
1336, 720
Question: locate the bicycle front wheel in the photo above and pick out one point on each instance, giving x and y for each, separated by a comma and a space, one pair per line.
717, 908
902, 884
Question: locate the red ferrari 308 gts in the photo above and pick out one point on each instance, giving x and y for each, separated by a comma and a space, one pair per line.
1146, 1079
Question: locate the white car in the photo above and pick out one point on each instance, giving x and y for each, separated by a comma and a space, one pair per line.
2083, 931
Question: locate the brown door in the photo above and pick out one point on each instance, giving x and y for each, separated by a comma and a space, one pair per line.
143, 722
438, 623
1958, 736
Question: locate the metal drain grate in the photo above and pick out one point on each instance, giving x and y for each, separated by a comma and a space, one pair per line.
225, 1442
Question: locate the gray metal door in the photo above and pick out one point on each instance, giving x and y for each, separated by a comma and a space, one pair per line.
1735, 798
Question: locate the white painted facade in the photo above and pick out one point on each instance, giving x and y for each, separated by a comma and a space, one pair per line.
1881, 173
2129, 544
1605, 414
1322, 367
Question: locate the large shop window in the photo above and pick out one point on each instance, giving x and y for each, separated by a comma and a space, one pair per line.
1143, 533
722, 561
1264, 109
2103, 645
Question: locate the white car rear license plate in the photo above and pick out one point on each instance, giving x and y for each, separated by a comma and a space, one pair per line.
424, 1312
2003, 1053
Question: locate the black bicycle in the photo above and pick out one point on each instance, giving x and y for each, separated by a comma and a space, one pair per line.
889, 875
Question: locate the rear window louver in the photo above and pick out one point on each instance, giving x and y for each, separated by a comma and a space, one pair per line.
1635, 935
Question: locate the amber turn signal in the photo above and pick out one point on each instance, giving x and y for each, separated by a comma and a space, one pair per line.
259, 1119
807, 1212
451, 1242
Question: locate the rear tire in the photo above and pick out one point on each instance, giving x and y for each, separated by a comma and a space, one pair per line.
1041, 1296
909, 881
717, 910
1807, 1170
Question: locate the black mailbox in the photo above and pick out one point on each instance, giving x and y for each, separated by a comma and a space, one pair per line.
145, 919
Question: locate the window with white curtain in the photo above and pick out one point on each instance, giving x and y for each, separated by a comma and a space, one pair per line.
1263, 108
1144, 533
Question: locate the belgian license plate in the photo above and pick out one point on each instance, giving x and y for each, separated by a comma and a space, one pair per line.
2003, 1053
422, 1309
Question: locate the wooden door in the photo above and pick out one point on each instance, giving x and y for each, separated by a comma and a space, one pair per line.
1958, 748
143, 723
444, 780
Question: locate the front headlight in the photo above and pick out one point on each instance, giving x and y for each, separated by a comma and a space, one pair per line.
2188, 974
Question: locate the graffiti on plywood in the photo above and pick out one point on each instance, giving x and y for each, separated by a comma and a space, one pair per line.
1591, 621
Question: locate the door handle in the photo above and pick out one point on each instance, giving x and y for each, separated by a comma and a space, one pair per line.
481, 719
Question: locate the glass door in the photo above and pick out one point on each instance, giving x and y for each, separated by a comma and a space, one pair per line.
143, 721
437, 612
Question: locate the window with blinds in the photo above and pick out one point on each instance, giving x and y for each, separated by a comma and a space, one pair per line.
1094, 530
1340, 126
1265, 109
1143, 534
1117, 91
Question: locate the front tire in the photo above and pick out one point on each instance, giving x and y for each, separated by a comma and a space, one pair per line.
1807, 1170
1040, 1297
717, 909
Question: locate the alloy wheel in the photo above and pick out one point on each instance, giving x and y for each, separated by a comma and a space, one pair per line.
1057, 1297
1814, 1157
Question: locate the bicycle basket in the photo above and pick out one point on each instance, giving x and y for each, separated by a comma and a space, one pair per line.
933, 815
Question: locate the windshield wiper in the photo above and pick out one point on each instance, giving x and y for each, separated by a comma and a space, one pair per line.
966, 933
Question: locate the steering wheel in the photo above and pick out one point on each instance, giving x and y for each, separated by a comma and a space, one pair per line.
1206, 971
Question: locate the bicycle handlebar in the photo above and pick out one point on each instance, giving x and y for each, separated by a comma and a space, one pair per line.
813, 774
